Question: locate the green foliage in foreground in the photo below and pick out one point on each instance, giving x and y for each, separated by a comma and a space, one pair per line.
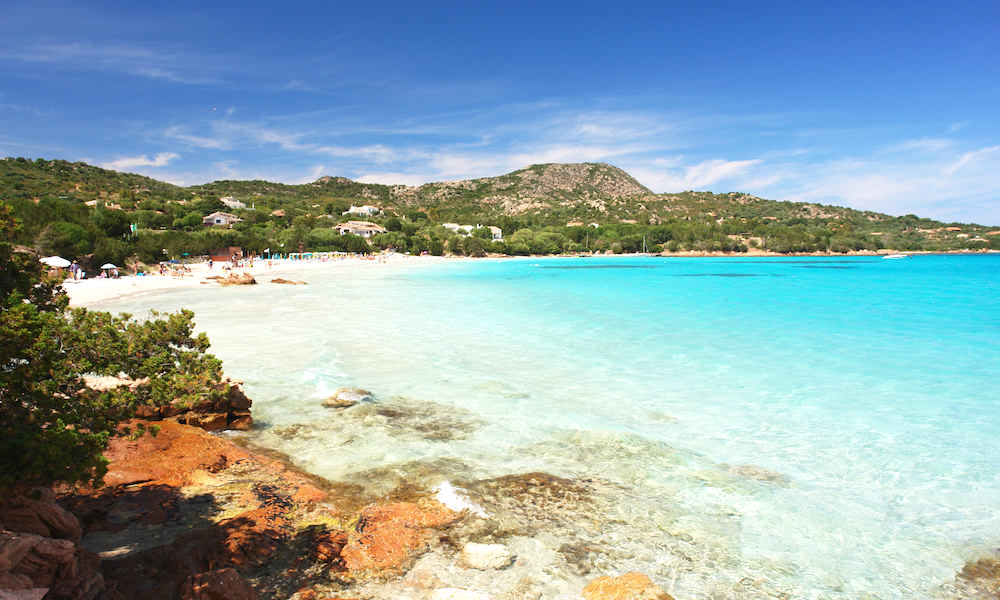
52, 427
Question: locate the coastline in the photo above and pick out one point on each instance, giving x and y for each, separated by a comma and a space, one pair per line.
91, 292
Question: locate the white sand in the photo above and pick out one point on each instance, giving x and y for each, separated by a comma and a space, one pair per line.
89, 292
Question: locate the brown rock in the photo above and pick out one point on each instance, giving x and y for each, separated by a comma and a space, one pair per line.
35, 511
29, 561
630, 586
287, 281
221, 584
241, 423
208, 421
329, 545
171, 457
308, 494
237, 399
389, 536
238, 279
346, 397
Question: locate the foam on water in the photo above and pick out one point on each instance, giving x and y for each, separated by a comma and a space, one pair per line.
796, 427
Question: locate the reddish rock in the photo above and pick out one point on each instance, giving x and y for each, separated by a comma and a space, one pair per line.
237, 399
630, 586
170, 457
208, 421
240, 422
29, 561
35, 511
308, 494
328, 547
221, 584
389, 536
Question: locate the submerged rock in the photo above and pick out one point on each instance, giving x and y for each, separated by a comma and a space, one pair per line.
758, 473
486, 556
287, 281
630, 586
979, 579
347, 397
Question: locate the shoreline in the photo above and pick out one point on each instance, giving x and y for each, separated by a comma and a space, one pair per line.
91, 292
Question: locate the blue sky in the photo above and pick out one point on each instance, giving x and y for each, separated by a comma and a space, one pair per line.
888, 106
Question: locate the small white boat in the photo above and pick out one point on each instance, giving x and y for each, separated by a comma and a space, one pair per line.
896, 256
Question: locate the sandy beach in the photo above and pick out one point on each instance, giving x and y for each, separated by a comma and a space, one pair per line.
95, 290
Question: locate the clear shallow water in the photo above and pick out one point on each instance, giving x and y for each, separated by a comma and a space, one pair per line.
809, 427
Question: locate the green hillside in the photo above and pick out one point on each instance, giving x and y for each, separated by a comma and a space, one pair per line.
81, 211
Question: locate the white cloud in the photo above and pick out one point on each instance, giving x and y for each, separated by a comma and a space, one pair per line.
970, 158
671, 175
133, 60
160, 160
393, 179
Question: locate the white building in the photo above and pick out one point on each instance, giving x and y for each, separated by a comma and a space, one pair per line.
221, 219
496, 234
362, 228
363, 210
231, 202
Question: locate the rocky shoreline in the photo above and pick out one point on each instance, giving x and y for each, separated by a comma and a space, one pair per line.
190, 513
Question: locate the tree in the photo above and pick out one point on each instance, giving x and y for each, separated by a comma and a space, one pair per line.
53, 428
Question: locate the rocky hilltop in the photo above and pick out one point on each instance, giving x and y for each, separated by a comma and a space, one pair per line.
531, 188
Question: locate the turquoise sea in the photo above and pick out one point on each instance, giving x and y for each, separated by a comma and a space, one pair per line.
744, 427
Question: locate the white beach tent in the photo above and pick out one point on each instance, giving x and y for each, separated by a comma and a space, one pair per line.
54, 261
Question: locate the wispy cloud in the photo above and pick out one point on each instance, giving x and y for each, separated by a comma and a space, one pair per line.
133, 60
160, 160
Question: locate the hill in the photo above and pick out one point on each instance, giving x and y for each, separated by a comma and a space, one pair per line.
79, 209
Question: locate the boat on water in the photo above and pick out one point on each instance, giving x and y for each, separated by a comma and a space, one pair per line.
896, 256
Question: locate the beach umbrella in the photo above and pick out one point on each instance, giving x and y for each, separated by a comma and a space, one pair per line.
54, 261
108, 266
174, 261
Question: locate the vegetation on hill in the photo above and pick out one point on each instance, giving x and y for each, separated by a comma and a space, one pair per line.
81, 211
53, 428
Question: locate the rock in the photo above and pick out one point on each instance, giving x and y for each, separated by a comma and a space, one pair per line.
346, 397
29, 562
208, 421
287, 281
329, 545
237, 399
486, 556
457, 594
35, 511
221, 584
308, 494
171, 457
238, 279
979, 578
630, 586
241, 423
387, 537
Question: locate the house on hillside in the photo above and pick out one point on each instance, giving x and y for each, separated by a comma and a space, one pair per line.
366, 210
221, 219
232, 203
361, 228
496, 234
459, 229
